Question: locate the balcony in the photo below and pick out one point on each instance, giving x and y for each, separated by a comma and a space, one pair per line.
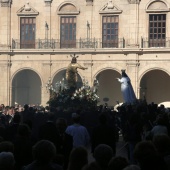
155, 43
58, 44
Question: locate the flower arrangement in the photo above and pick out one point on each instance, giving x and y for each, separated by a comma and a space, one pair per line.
85, 97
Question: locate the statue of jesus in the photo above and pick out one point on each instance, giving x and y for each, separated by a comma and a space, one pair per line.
72, 73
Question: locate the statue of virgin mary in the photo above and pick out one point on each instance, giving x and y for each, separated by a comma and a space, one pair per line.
127, 89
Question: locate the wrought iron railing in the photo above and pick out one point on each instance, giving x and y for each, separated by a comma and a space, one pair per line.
58, 44
155, 43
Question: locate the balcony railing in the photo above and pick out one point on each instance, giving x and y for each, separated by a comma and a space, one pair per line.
58, 44
155, 43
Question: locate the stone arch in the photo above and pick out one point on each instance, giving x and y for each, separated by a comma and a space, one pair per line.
68, 7
157, 6
57, 72
109, 88
150, 69
102, 69
57, 77
26, 86
154, 85
26, 68
62, 69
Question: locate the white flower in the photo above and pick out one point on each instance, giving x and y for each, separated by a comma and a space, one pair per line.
72, 98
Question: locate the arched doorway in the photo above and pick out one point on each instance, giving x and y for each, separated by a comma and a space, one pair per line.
154, 86
109, 88
26, 88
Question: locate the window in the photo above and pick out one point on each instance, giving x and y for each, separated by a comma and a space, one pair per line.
157, 30
68, 32
110, 31
27, 32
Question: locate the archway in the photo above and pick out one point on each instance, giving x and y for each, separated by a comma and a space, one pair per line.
26, 88
62, 74
154, 86
109, 88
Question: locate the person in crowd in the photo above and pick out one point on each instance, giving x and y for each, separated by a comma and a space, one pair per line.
48, 130
78, 158
79, 132
11, 130
92, 166
44, 153
6, 146
118, 163
102, 155
103, 134
65, 142
162, 143
40, 118
7, 161
133, 131
147, 157
159, 127
23, 146
25, 114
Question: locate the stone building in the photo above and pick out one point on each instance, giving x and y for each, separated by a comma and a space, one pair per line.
38, 37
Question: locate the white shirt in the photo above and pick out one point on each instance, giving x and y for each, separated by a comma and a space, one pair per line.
80, 135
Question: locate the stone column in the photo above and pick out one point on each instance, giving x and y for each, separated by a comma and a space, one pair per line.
133, 24
6, 24
46, 72
132, 71
47, 18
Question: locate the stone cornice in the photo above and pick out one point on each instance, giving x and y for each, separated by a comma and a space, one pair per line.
134, 1
48, 2
124, 51
5, 3
89, 2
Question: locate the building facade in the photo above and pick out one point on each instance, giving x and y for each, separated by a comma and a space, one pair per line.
37, 39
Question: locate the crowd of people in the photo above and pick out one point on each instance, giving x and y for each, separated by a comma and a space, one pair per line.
45, 138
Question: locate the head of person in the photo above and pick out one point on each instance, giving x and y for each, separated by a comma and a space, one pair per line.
147, 157
118, 163
44, 151
103, 154
17, 118
7, 161
26, 107
76, 117
74, 60
24, 130
78, 158
6, 146
61, 125
92, 166
162, 143
124, 73
51, 116
103, 119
